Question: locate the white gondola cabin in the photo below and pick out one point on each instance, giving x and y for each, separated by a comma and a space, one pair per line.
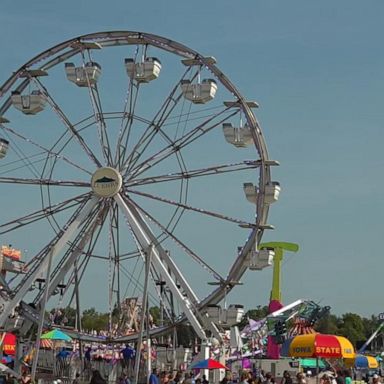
240, 137
29, 104
226, 316
234, 314
145, 71
213, 312
83, 76
259, 260
199, 93
250, 192
272, 192
4, 145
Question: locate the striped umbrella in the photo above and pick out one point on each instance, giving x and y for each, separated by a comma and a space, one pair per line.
362, 361
46, 343
56, 334
208, 364
318, 345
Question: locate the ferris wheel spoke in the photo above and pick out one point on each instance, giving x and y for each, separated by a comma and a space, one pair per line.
15, 165
127, 119
184, 247
188, 207
154, 127
27, 161
126, 122
151, 132
67, 123
102, 128
42, 213
98, 112
214, 170
40, 182
126, 128
46, 150
178, 144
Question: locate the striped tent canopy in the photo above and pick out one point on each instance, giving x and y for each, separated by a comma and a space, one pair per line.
300, 327
46, 343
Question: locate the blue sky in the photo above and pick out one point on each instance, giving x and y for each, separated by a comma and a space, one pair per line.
317, 70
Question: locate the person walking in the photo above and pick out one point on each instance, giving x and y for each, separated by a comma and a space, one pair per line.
301, 378
76, 380
244, 378
269, 379
25, 377
153, 378
347, 376
287, 379
97, 378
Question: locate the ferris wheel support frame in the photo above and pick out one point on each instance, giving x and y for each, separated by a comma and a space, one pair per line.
8, 306
53, 283
147, 240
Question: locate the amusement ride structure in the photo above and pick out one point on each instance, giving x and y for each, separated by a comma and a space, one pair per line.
122, 159
275, 302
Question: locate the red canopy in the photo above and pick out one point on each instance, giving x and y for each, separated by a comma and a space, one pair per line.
9, 344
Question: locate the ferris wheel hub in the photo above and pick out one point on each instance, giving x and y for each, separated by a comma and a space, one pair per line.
106, 182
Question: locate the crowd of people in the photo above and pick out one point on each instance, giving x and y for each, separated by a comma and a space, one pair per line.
325, 377
246, 377
168, 377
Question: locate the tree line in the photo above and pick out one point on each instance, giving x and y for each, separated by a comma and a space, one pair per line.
351, 325
354, 327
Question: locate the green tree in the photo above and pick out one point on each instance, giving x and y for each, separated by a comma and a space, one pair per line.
70, 314
155, 313
185, 335
93, 320
329, 324
352, 327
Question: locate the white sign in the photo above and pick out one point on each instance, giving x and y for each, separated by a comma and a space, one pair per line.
106, 182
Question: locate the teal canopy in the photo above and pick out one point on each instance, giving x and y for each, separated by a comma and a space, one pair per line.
56, 334
311, 363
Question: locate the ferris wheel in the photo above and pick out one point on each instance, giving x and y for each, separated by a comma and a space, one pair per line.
129, 163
